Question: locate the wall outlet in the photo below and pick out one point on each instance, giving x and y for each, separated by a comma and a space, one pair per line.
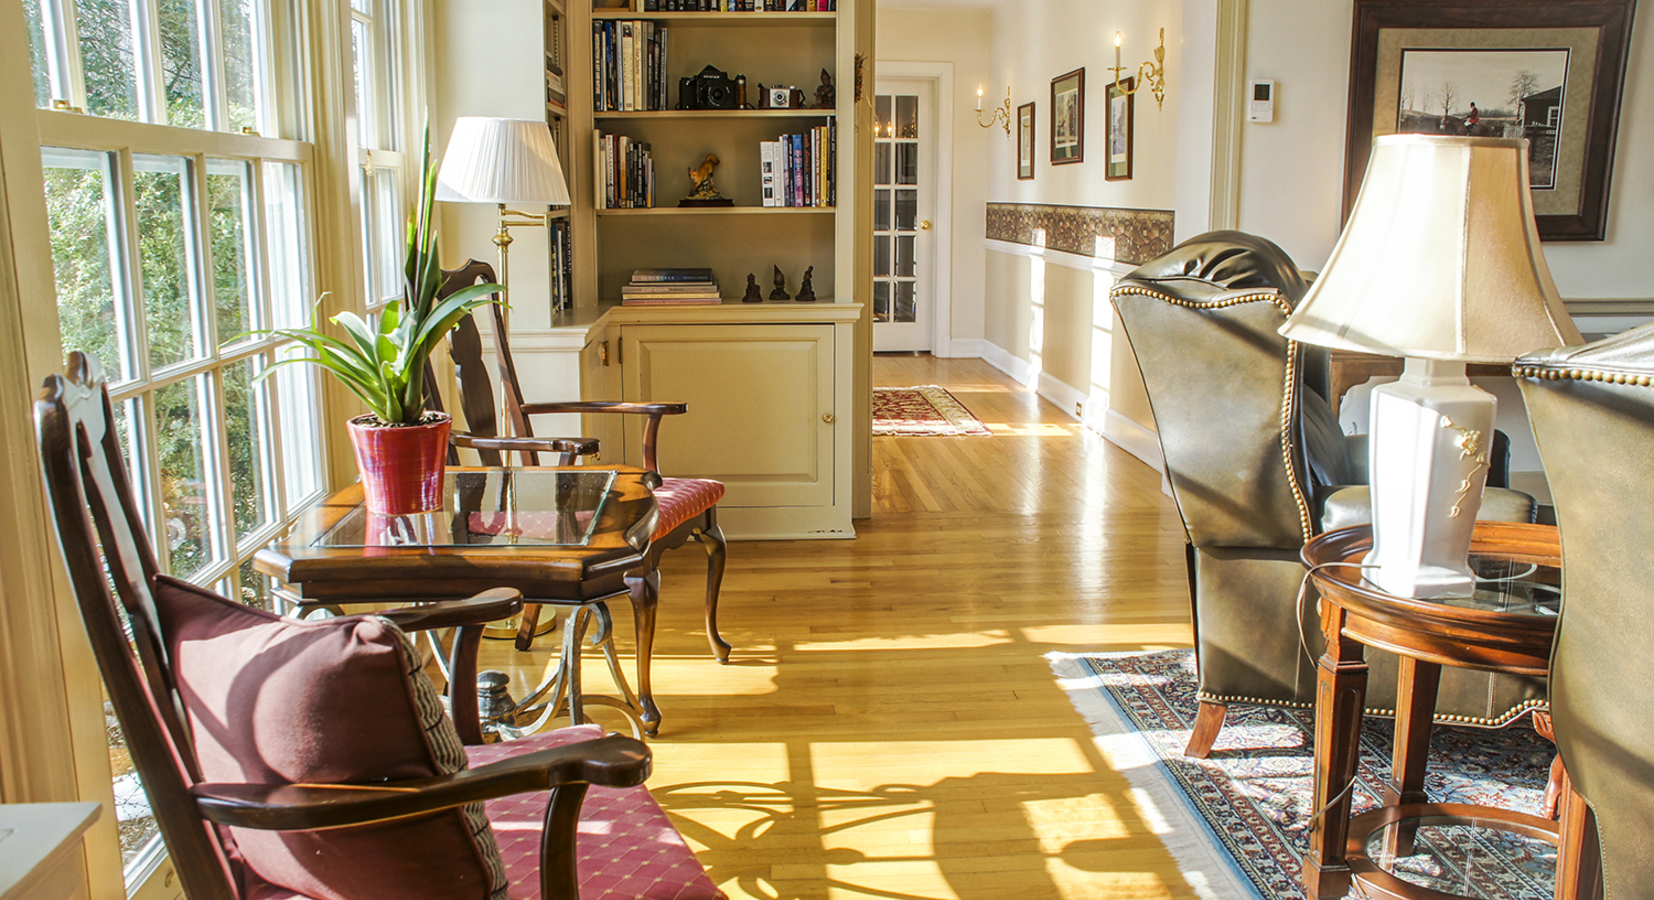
1079, 413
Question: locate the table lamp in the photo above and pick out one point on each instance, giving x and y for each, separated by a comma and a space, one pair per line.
1439, 263
503, 161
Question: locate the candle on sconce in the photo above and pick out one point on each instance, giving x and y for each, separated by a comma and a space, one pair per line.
1116, 54
979, 98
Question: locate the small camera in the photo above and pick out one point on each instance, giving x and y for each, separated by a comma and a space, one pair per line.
711, 89
780, 97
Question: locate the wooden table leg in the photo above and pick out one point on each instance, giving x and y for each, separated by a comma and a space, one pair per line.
645, 596
1416, 689
1340, 694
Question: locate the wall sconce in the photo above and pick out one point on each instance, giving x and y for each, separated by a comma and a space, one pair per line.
1001, 114
1151, 73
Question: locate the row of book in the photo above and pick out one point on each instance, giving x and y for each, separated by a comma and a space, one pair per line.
625, 170
801, 169
562, 266
670, 287
630, 65
740, 5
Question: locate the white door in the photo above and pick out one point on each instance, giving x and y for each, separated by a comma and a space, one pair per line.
904, 196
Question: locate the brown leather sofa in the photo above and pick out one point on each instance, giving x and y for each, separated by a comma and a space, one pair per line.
1592, 409
1252, 448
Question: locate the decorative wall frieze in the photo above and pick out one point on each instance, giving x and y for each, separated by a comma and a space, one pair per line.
1122, 235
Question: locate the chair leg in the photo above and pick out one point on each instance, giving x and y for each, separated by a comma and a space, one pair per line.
713, 538
645, 596
527, 621
1208, 722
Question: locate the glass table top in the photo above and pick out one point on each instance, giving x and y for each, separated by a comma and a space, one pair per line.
1505, 586
1456, 857
500, 507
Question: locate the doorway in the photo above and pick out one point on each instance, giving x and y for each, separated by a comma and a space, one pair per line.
908, 227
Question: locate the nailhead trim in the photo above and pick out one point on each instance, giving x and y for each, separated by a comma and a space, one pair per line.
1509, 716
1549, 374
1289, 392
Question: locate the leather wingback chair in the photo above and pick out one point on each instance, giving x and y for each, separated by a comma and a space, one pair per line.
1592, 409
1252, 448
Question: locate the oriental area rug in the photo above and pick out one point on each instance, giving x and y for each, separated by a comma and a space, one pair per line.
1238, 822
922, 411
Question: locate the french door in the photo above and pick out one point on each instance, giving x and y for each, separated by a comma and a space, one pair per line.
904, 192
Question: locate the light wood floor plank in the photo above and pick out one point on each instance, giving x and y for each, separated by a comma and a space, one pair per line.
889, 726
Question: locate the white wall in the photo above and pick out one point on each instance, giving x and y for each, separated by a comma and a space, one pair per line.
960, 38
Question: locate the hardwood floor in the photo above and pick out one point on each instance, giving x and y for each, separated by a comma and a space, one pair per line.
889, 725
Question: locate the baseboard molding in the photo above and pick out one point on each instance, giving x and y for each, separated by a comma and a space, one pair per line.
1134, 439
1021, 371
965, 348
1064, 396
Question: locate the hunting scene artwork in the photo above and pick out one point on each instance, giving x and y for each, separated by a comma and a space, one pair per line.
1488, 93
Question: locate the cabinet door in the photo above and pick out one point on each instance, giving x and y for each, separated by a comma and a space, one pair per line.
599, 381
760, 407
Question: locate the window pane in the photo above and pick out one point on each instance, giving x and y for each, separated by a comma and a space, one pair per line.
137, 460
255, 587
106, 57
907, 163
80, 209
907, 117
881, 116
361, 71
301, 439
247, 447
286, 253
181, 62
904, 255
907, 207
881, 209
229, 227
166, 252
37, 53
881, 163
136, 823
905, 311
387, 239
881, 256
881, 301
241, 23
186, 485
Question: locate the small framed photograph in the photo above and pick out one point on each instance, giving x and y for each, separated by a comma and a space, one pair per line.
1025, 142
1068, 118
1120, 107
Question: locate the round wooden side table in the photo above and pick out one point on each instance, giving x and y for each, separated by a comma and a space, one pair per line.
1507, 625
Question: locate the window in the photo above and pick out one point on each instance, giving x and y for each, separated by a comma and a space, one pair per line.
382, 165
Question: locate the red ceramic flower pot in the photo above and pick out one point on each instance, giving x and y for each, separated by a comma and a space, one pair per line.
401, 465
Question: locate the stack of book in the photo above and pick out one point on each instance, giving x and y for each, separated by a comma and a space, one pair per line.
800, 169
625, 172
670, 287
739, 5
630, 66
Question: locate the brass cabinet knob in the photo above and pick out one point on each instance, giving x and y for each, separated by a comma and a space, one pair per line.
827, 417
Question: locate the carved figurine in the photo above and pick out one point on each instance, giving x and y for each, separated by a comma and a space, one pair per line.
702, 191
826, 94
753, 294
780, 292
807, 293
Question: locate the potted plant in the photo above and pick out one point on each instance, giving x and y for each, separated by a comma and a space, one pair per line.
401, 447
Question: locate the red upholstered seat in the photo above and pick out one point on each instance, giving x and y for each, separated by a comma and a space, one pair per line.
682, 499
627, 848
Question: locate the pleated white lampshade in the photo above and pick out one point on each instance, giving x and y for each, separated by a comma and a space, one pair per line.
501, 161
1440, 258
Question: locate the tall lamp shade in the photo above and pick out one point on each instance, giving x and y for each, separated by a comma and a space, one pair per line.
501, 161
1440, 263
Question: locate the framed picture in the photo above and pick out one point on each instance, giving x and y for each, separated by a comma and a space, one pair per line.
1120, 106
1551, 71
1068, 118
1025, 142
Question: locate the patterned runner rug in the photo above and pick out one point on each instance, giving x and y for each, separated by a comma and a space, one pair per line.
922, 411
1238, 822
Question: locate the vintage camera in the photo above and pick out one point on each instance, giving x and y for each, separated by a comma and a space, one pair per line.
711, 89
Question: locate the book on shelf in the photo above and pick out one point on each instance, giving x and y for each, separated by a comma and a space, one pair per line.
671, 301
629, 65
624, 172
736, 6
799, 170
679, 276
562, 265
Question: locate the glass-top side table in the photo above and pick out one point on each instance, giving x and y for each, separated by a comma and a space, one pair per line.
497, 507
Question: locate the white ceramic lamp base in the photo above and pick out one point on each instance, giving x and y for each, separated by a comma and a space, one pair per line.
1430, 437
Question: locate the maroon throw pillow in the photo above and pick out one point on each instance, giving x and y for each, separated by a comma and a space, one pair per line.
275, 701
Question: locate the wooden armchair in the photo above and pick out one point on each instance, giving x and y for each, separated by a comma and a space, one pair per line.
288, 759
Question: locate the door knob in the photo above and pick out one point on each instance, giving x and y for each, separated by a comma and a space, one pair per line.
924, 225
827, 417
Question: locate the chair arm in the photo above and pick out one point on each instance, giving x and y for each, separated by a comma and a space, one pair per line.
488, 606
606, 406
612, 761
571, 447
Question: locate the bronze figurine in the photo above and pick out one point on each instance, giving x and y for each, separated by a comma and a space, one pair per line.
753, 295
780, 292
807, 293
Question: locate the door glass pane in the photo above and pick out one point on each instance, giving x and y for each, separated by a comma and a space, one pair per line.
80, 209
301, 439
186, 485
387, 239
37, 53
904, 255
881, 116
881, 163
907, 207
181, 62
361, 69
106, 57
881, 301
230, 229
238, 20
166, 252
881, 256
907, 163
286, 252
904, 311
881, 209
247, 447
907, 117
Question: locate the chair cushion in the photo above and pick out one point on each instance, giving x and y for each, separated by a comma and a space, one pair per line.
626, 848
682, 499
275, 701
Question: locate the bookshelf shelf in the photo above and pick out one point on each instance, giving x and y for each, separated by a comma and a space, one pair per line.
719, 114
723, 19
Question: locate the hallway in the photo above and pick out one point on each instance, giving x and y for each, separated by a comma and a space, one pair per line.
888, 725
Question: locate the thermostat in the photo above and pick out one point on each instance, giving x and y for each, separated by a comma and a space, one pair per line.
1261, 106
